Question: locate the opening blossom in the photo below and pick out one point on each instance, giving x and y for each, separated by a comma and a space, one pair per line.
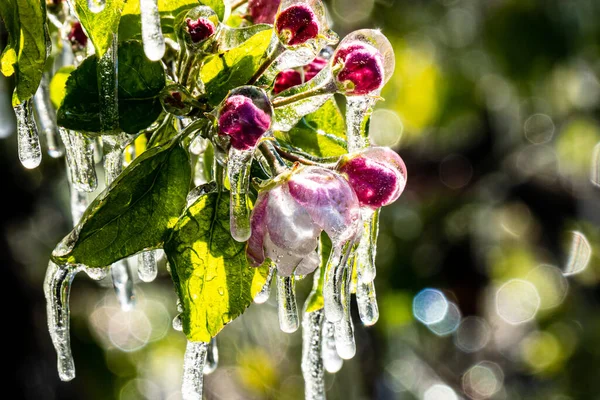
243, 122
362, 70
289, 218
377, 175
296, 25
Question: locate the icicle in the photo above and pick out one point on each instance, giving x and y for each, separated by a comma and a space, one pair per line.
57, 289
123, 284
312, 362
264, 293
212, 357
193, 366
96, 6
28, 141
152, 37
358, 112
96, 274
287, 307
47, 118
80, 160
332, 287
238, 167
177, 323
344, 329
147, 267
79, 203
367, 248
367, 302
331, 359
108, 88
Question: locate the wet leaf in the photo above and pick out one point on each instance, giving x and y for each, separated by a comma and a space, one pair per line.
101, 26
136, 212
140, 82
212, 276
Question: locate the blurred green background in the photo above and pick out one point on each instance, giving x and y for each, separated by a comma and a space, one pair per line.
494, 107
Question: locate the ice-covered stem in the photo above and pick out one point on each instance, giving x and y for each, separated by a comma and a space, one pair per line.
334, 280
212, 357
47, 118
193, 367
270, 153
307, 159
312, 361
108, 88
367, 248
152, 37
238, 169
80, 160
344, 329
147, 266
311, 91
57, 289
358, 113
265, 292
277, 49
28, 140
287, 306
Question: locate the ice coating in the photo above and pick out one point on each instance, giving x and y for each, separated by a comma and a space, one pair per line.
147, 266
262, 296
80, 160
108, 88
312, 361
243, 122
367, 248
367, 303
46, 118
57, 289
344, 329
28, 141
263, 11
238, 170
152, 37
200, 29
296, 24
287, 306
331, 359
193, 367
377, 175
288, 219
361, 68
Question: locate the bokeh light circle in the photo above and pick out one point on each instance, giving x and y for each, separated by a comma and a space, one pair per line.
430, 306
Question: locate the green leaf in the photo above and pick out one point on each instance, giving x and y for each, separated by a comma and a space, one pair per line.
58, 85
233, 68
140, 82
321, 134
214, 281
101, 26
136, 212
131, 27
26, 51
315, 300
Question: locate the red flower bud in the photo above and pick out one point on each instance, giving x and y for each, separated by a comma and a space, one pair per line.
77, 36
286, 79
263, 11
200, 29
314, 68
362, 69
377, 175
297, 24
243, 122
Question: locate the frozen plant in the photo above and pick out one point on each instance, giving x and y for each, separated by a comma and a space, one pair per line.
237, 110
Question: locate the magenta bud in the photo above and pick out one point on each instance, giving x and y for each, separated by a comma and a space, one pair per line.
200, 29
296, 25
377, 175
362, 69
287, 79
263, 11
312, 69
77, 36
243, 122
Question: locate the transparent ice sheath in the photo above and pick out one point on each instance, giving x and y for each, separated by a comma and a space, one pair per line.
287, 307
312, 362
193, 367
238, 167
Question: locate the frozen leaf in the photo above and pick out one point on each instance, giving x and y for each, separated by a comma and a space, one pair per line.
140, 83
135, 213
211, 274
235, 67
100, 26
320, 133
27, 48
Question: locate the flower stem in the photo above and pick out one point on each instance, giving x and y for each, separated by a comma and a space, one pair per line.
317, 91
276, 164
277, 51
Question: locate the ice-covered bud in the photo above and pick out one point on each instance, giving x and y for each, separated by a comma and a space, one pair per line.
200, 29
296, 25
314, 68
287, 79
377, 175
361, 69
289, 218
263, 11
77, 36
243, 121
176, 100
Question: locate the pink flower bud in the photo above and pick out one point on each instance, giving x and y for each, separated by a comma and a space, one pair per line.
200, 29
287, 79
377, 175
263, 11
77, 36
289, 218
312, 69
362, 70
297, 24
243, 122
